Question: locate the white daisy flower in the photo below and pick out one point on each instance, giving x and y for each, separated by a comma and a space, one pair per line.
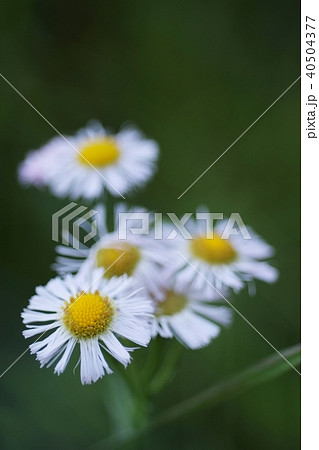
188, 315
93, 160
222, 262
92, 312
139, 256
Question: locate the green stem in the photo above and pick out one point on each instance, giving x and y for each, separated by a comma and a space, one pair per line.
167, 368
263, 371
267, 369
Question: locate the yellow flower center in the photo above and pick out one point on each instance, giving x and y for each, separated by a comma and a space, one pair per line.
118, 260
101, 152
87, 315
214, 250
172, 304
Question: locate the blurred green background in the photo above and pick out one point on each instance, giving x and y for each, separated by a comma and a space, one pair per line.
193, 75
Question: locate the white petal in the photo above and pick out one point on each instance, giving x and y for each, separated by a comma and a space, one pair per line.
219, 314
60, 367
93, 364
115, 348
192, 330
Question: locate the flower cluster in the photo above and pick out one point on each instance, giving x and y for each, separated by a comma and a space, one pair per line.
118, 291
